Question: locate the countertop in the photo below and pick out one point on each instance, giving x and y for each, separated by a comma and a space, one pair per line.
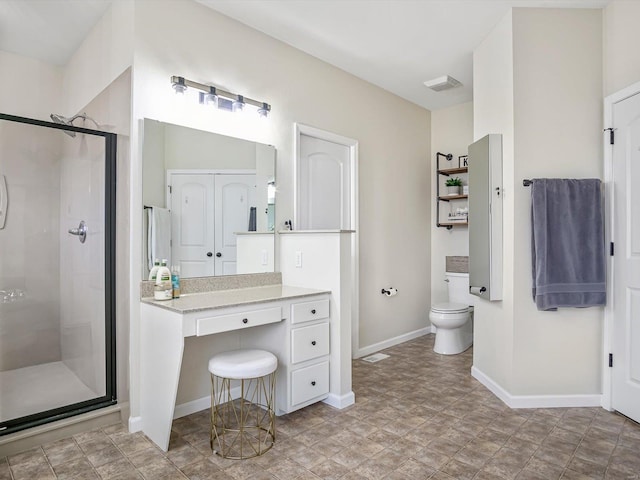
196, 302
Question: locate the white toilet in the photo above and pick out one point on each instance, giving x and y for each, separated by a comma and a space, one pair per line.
453, 320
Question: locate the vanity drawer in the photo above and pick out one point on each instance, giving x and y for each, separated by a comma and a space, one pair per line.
237, 321
309, 342
316, 310
309, 383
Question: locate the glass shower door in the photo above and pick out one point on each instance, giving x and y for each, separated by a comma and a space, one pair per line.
57, 214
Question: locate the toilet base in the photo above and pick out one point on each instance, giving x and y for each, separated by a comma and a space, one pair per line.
452, 341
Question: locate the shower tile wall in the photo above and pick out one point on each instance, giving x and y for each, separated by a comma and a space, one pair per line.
30, 325
82, 265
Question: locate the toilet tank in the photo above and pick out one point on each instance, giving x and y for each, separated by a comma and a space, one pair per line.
458, 287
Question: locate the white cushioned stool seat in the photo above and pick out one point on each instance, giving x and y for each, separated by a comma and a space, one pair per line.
243, 364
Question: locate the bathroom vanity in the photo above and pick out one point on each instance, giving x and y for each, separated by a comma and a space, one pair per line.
291, 322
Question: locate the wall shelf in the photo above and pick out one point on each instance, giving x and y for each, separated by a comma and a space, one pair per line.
450, 225
447, 172
446, 198
453, 171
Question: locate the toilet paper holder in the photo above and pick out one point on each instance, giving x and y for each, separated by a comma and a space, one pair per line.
477, 290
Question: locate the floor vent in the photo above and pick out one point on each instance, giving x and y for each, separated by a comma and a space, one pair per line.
376, 357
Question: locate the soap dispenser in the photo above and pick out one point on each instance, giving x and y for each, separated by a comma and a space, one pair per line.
164, 288
154, 271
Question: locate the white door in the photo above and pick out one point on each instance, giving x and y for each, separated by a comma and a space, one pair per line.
324, 198
626, 262
234, 197
192, 224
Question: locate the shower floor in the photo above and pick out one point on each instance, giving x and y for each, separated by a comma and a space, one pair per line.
29, 390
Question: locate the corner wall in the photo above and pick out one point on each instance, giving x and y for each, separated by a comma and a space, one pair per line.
538, 81
558, 133
493, 113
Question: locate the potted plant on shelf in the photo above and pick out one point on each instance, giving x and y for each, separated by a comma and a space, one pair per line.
454, 185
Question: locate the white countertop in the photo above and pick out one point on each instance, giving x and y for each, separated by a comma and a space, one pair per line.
196, 302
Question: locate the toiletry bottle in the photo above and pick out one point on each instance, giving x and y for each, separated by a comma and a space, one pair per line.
163, 289
175, 280
154, 270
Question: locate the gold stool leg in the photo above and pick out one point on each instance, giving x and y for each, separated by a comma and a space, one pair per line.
243, 428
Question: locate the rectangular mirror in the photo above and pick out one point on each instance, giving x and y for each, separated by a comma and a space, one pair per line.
209, 202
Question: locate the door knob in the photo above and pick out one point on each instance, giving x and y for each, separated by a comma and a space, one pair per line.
218, 254
209, 254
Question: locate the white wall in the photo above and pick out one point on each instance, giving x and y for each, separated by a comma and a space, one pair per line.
621, 40
493, 113
451, 132
558, 133
36, 94
538, 82
103, 56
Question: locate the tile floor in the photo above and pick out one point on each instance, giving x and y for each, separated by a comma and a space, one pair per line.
418, 416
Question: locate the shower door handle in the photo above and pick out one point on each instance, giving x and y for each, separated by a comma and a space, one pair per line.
81, 231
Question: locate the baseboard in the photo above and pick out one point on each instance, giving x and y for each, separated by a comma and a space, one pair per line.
135, 424
194, 406
433, 328
340, 401
199, 404
535, 401
392, 342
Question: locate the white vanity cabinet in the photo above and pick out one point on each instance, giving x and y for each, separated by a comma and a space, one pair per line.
310, 348
292, 323
303, 350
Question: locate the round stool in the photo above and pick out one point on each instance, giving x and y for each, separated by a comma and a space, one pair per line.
244, 427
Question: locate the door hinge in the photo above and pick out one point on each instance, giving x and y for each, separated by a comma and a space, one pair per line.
610, 360
611, 135
611, 249
169, 187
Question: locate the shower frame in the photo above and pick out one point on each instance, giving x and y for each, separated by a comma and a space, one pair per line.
110, 397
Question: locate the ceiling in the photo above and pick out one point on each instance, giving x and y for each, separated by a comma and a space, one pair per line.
394, 44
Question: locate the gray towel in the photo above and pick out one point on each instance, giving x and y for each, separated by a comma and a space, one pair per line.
567, 243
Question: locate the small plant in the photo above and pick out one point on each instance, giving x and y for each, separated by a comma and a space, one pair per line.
453, 182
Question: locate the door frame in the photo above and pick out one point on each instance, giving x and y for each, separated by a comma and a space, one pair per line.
352, 144
609, 313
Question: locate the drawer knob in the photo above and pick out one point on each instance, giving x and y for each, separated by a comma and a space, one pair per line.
313, 312
313, 342
245, 320
313, 384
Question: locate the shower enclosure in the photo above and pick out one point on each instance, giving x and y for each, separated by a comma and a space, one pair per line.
57, 271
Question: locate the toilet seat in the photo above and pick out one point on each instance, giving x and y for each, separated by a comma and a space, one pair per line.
450, 308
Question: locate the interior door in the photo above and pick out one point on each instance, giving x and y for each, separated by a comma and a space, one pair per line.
626, 262
234, 197
324, 185
192, 223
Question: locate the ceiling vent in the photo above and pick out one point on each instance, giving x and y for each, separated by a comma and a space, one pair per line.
442, 83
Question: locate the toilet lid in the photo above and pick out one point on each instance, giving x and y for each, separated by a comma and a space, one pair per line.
450, 308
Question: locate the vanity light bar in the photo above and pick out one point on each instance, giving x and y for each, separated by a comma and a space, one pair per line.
180, 84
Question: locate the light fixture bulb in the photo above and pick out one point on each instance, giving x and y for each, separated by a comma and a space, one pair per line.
238, 105
264, 110
211, 98
179, 85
